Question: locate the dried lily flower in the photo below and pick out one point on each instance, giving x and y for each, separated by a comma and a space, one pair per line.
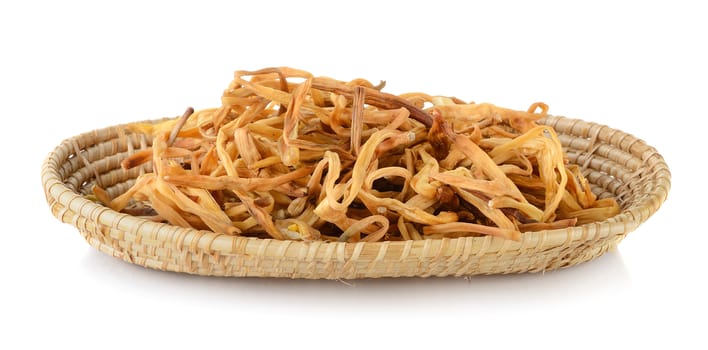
293, 156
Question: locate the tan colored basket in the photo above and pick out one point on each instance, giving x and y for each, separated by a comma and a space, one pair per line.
616, 163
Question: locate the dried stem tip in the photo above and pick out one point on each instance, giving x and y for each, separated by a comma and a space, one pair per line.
179, 125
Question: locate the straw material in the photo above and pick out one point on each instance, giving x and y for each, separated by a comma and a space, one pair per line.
616, 163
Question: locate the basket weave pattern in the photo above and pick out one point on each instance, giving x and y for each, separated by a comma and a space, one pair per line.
616, 163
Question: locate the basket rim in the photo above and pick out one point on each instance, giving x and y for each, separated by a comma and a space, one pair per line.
94, 214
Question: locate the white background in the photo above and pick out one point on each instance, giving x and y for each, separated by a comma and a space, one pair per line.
67, 68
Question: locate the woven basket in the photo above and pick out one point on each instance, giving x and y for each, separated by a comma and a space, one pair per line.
616, 163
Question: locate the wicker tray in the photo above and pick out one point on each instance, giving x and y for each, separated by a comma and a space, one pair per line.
616, 163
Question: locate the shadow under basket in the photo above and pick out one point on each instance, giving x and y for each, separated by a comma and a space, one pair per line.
616, 164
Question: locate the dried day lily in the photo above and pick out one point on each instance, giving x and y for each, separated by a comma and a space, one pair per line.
292, 156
